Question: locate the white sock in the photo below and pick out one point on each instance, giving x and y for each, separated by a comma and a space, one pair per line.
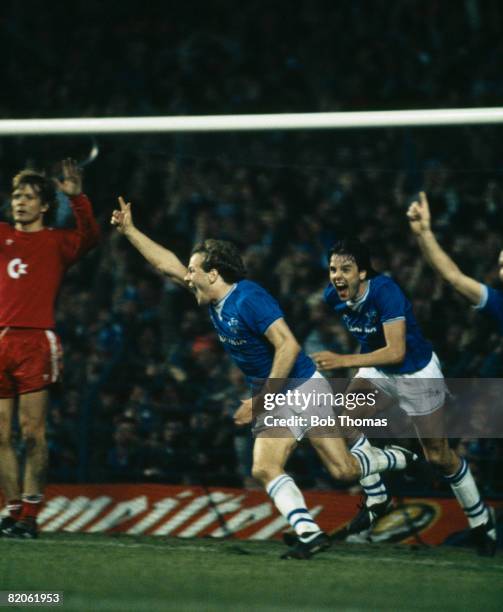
373, 486
290, 503
464, 488
375, 490
373, 460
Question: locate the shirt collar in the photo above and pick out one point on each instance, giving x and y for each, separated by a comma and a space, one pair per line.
355, 304
220, 304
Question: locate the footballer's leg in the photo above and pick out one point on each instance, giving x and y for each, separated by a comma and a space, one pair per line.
333, 452
32, 415
9, 469
362, 462
377, 501
269, 459
376, 494
457, 473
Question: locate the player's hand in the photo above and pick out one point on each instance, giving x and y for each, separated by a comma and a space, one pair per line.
419, 215
327, 360
122, 218
71, 183
244, 414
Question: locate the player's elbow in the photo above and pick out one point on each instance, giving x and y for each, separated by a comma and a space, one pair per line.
93, 236
291, 346
295, 347
161, 266
162, 269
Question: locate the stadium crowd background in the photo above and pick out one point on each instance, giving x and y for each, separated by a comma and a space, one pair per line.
148, 392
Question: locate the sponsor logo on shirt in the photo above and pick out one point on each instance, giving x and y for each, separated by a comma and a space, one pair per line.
233, 341
366, 328
16, 267
358, 329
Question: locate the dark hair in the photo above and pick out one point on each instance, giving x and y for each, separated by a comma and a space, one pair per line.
354, 249
43, 186
222, 256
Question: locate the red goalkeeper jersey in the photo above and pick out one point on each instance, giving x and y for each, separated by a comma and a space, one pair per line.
32, 265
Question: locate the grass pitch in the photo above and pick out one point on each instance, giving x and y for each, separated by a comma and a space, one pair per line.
145, 573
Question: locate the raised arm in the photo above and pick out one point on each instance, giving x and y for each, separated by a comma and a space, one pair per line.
420, 223
163, 259
87, 233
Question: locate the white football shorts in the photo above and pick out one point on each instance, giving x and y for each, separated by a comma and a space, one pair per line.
418, 394
313, 403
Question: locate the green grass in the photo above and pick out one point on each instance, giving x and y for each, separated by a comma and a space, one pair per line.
141, 573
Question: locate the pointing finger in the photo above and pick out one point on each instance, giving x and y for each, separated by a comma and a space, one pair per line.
423, 200
68, 167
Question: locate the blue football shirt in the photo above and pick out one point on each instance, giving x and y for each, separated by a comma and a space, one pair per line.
491, 304
382, 303
241, 319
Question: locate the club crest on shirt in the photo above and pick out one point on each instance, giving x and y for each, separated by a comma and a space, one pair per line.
371, 317
16, 268
233, 324
371, 320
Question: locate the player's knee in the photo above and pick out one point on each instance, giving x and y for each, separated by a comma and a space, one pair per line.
33, 436
264, 473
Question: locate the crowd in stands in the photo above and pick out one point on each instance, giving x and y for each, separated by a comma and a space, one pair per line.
148, 392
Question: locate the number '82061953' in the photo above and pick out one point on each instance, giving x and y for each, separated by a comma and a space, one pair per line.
32, 597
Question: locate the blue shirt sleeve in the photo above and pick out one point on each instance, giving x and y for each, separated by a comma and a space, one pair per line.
391, 303
492, 304
259, 310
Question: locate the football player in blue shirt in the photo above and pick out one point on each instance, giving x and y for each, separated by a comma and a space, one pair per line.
378, 314
484, 298
250, 325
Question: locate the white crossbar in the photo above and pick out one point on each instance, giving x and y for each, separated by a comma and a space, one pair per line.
220, 123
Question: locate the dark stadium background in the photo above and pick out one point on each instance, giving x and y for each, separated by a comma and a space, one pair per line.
148, 395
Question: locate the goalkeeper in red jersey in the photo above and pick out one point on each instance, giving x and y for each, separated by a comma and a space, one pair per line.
33, 260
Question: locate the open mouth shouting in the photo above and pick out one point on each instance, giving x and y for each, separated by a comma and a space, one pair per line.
342, 289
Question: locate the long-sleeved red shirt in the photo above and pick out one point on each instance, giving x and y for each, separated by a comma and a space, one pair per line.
32, 265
